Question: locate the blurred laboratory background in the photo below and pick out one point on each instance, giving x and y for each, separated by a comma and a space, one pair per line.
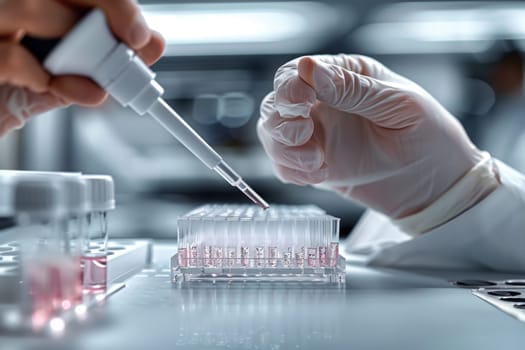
218, 65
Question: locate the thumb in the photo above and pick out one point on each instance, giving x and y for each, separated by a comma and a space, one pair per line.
384, 103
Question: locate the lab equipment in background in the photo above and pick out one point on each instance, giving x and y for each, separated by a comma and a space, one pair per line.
101, 199
91, 50
238, 243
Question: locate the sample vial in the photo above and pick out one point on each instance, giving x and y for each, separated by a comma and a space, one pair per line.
183, 257
245, 225
232, 235
101, 198
76, 210
299, 230
49, 274
272, 239
333, 251
192, 241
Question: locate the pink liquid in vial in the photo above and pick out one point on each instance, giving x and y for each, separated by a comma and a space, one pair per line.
323, 261
245, 256
95, 273
334, 253
193, 255
272, 256
312, 257
259, 256
183, 257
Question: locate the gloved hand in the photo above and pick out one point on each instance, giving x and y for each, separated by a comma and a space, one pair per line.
348, 124
26, 88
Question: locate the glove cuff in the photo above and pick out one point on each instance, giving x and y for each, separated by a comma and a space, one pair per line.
478, 183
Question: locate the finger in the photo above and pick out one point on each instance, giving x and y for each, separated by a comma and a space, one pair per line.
43, 18
77, 90
124, 18
288, 131
19, 68
293, 97
299, 177
386, 104
9, 123
307, 157
363, 65
153, 49
20, 104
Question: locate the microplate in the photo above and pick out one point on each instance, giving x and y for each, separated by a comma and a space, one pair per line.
242, 243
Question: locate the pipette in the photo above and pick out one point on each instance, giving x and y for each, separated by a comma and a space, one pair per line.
91, 50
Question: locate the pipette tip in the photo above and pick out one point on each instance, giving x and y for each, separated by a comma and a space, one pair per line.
255, 197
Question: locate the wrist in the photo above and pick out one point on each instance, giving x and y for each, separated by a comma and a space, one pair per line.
472, 188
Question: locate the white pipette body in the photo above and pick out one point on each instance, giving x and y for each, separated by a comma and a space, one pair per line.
91, 50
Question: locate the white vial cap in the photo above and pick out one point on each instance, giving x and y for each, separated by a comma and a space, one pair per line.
101, 192
8, 180
76, 194
39, 198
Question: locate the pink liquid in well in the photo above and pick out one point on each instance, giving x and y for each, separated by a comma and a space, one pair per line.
323, 258
193, 255
312, 257
183, 257
334, 253
95, 273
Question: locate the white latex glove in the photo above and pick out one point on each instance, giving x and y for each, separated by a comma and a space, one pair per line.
349, 124
17, 105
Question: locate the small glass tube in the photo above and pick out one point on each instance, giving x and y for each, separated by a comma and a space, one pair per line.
244, 240
96, 253
300, 229
182, 249
312, 243
101, 200
333, 250
193, 240
323, 242
49, 271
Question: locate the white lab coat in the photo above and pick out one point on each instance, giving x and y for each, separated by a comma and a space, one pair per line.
490, 235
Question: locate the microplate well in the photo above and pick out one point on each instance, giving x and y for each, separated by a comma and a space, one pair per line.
240, 243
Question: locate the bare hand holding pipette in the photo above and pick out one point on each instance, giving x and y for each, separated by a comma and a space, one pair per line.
26, 88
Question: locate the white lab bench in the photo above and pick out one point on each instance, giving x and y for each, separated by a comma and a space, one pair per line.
378, 309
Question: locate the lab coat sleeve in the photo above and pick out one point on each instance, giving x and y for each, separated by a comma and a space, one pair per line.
488, 236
